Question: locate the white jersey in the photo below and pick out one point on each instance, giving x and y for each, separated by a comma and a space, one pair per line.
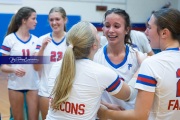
161, 74
14, 46
140, 41
90, 81
56, 52
125, 69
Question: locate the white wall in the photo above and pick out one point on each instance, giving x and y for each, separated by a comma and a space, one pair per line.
87, 10
178, 4
139, 10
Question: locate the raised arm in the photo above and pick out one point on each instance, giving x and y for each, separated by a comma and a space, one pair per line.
45, 42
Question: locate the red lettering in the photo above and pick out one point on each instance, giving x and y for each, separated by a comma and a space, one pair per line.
74, 109
77, 109
56, 56
81, 108
60, 107
68, 107
176, 105
178, 89
170, 104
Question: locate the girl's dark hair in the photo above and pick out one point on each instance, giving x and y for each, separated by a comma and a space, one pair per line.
126, 17
16, 20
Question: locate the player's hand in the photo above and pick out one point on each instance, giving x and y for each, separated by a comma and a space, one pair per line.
101, 111
20, 72
112, 106
115, 107
46, 41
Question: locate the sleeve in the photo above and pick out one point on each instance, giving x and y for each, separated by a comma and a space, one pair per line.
96, 57
110, 81
146, 78
55, 70
115, 86
39, 44
6, 45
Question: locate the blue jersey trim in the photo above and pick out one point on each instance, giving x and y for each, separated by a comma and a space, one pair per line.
5, 48
112, 64
22, 40
175, 49
38, 47
146, 80
56, 42
114, 85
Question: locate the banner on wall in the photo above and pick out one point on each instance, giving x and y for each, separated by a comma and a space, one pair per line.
11, 1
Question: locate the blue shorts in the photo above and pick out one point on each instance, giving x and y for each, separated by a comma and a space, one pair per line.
22, 91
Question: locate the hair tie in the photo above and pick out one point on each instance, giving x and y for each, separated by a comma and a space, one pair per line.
70, 45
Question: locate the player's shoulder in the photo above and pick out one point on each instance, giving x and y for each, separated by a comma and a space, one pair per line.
105, 72
10, 36
34, 37
153, 60
102, 69
41, 38
138, 34
97, 65
10, 39
132, 50
99, 54
45, 35
136, 53
164, 56
100, 50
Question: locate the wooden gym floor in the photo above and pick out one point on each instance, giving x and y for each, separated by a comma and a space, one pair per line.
4, 100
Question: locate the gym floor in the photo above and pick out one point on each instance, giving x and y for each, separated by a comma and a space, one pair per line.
4, 100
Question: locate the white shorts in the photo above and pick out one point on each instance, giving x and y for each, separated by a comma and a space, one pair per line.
43, 93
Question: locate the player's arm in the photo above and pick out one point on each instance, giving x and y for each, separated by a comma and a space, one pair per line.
112, 106
143, 103
122, 90
38, 67
142, 109
7, 68
117, 87
124, 93
20, 72
127, 93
